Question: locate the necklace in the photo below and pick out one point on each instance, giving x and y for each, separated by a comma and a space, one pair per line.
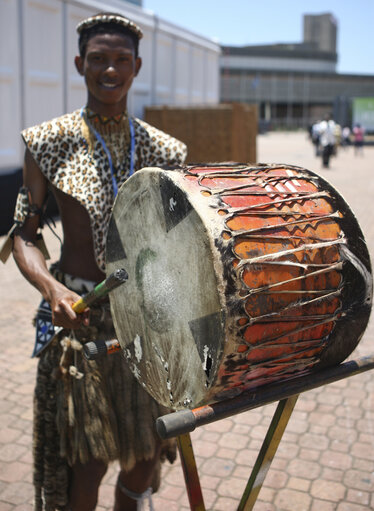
116, 136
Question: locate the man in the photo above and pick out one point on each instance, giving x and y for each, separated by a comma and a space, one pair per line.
327, 130
88, 413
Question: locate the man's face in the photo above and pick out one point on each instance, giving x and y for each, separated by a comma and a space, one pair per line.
109, 67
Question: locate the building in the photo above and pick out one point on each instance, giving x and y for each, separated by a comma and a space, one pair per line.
320, 30
38, 79
293, 84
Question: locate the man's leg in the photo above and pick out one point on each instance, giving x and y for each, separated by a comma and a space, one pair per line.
324, 156
327, 150
84, 486
137, 481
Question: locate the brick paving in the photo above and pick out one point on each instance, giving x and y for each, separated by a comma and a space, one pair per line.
325, 461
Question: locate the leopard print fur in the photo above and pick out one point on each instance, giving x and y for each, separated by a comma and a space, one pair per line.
62, 153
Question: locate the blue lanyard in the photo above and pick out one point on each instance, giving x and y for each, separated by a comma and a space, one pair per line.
104, 146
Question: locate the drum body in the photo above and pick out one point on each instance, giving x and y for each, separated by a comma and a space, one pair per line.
238, 276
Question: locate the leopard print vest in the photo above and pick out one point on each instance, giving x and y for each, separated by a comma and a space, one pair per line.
81, 169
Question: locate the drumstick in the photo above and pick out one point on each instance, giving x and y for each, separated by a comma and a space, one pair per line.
96, 349
114, 280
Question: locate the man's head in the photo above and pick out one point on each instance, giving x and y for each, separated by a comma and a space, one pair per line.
108, 60
107, 23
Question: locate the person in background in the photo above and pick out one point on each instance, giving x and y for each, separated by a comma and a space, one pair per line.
346, 136
88, 413
327, 130
338, 138
358, 138
316, 137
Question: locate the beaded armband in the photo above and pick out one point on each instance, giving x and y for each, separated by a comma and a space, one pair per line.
23, 210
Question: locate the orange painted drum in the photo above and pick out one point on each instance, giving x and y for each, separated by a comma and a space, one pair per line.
239, 276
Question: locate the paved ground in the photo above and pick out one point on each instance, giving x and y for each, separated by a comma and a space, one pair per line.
325, 461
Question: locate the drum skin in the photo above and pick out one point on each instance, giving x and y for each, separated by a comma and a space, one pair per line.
239, 276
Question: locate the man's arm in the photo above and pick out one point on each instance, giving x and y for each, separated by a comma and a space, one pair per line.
30, 259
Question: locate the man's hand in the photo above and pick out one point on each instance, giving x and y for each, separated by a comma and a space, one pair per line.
62, 301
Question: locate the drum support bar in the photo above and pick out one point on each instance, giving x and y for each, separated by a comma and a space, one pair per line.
180, 423
185, 421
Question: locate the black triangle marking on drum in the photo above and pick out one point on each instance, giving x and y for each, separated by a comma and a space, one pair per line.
175, 203
207, 332
114, 248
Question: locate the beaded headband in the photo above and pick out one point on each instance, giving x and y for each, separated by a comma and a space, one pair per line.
109, 18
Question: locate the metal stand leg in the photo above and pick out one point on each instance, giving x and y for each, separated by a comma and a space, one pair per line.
267, 452
264, 459
191, 475
179, 424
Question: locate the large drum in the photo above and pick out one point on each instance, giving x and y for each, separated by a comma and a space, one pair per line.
238, 276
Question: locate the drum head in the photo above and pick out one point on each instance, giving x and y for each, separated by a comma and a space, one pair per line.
168, 315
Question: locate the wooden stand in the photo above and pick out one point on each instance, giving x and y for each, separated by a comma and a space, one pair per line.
181, 423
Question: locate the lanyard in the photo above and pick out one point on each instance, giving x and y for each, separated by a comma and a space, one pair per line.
104, 146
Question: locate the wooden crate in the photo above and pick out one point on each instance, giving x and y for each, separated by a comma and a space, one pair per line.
224, 132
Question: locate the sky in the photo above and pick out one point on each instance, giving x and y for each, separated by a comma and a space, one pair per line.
246, 22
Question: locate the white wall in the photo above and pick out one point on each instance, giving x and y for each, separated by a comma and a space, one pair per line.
42, 60
10, 86
38, 79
